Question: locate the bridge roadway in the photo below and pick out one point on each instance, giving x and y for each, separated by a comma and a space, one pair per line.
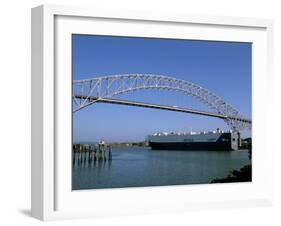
157, 106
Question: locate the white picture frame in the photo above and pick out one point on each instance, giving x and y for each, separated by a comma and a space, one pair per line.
52, 197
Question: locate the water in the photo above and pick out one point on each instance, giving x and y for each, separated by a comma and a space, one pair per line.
134, 167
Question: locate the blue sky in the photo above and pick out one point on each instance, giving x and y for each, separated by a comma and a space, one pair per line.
221, 67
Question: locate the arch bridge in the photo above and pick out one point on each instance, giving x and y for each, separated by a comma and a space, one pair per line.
103, 89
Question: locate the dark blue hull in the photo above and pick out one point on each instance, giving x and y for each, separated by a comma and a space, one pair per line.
192, 146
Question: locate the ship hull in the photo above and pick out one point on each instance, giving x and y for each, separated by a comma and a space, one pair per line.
194, 146
197, 142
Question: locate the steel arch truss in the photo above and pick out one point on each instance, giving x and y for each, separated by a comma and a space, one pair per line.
109, 86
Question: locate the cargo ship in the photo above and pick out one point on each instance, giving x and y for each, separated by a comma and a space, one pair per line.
216, 140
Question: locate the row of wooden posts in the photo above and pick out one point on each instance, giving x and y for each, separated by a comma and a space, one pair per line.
101, 153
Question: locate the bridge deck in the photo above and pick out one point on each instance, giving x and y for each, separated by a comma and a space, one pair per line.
157, 106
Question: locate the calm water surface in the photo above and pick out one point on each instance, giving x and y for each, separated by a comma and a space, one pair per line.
133, 167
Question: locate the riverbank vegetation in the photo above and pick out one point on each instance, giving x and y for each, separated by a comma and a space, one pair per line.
244, 174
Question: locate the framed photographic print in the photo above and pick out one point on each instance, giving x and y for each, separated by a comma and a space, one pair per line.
141, 112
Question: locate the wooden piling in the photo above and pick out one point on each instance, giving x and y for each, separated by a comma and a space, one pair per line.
109, 153
95, 154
